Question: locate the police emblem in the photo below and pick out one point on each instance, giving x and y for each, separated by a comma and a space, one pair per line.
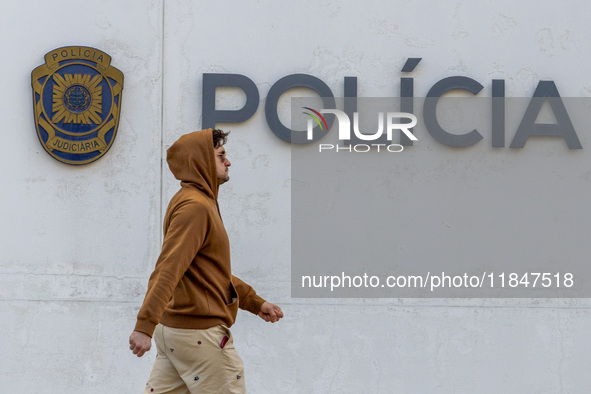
77, 101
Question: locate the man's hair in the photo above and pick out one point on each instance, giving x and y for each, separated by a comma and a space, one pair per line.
219, 137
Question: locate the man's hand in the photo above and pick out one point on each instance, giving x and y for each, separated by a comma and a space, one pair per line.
270, 312
139, 343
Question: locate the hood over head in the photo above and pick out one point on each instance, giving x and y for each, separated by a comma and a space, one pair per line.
192, 161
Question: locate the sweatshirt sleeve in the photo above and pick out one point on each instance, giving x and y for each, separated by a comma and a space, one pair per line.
183, 238
248, 298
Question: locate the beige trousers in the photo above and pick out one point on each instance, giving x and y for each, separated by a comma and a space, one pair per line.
193, 361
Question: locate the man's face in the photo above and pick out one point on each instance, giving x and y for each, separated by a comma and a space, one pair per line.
222, 164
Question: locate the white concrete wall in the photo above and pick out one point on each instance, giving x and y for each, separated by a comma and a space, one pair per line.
78, 243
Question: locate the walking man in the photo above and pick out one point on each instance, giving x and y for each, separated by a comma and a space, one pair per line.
192, 297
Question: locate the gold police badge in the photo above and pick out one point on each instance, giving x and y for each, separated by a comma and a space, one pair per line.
77, 102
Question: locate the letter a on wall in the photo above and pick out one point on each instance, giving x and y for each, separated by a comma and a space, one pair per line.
77, 102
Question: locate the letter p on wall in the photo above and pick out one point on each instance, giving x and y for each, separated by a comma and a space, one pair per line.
211, 115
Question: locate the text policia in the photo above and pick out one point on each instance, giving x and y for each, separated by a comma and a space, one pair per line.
544, 91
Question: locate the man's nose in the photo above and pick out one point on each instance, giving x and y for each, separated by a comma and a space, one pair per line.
227, 163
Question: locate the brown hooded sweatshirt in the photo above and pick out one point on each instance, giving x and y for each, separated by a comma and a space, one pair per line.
192, 285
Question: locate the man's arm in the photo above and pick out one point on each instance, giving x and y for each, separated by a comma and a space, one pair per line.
250, 301
183, 239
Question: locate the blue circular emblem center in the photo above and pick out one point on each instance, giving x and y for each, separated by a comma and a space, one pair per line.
77, 98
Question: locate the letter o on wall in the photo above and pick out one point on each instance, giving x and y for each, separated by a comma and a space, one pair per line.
283, 85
